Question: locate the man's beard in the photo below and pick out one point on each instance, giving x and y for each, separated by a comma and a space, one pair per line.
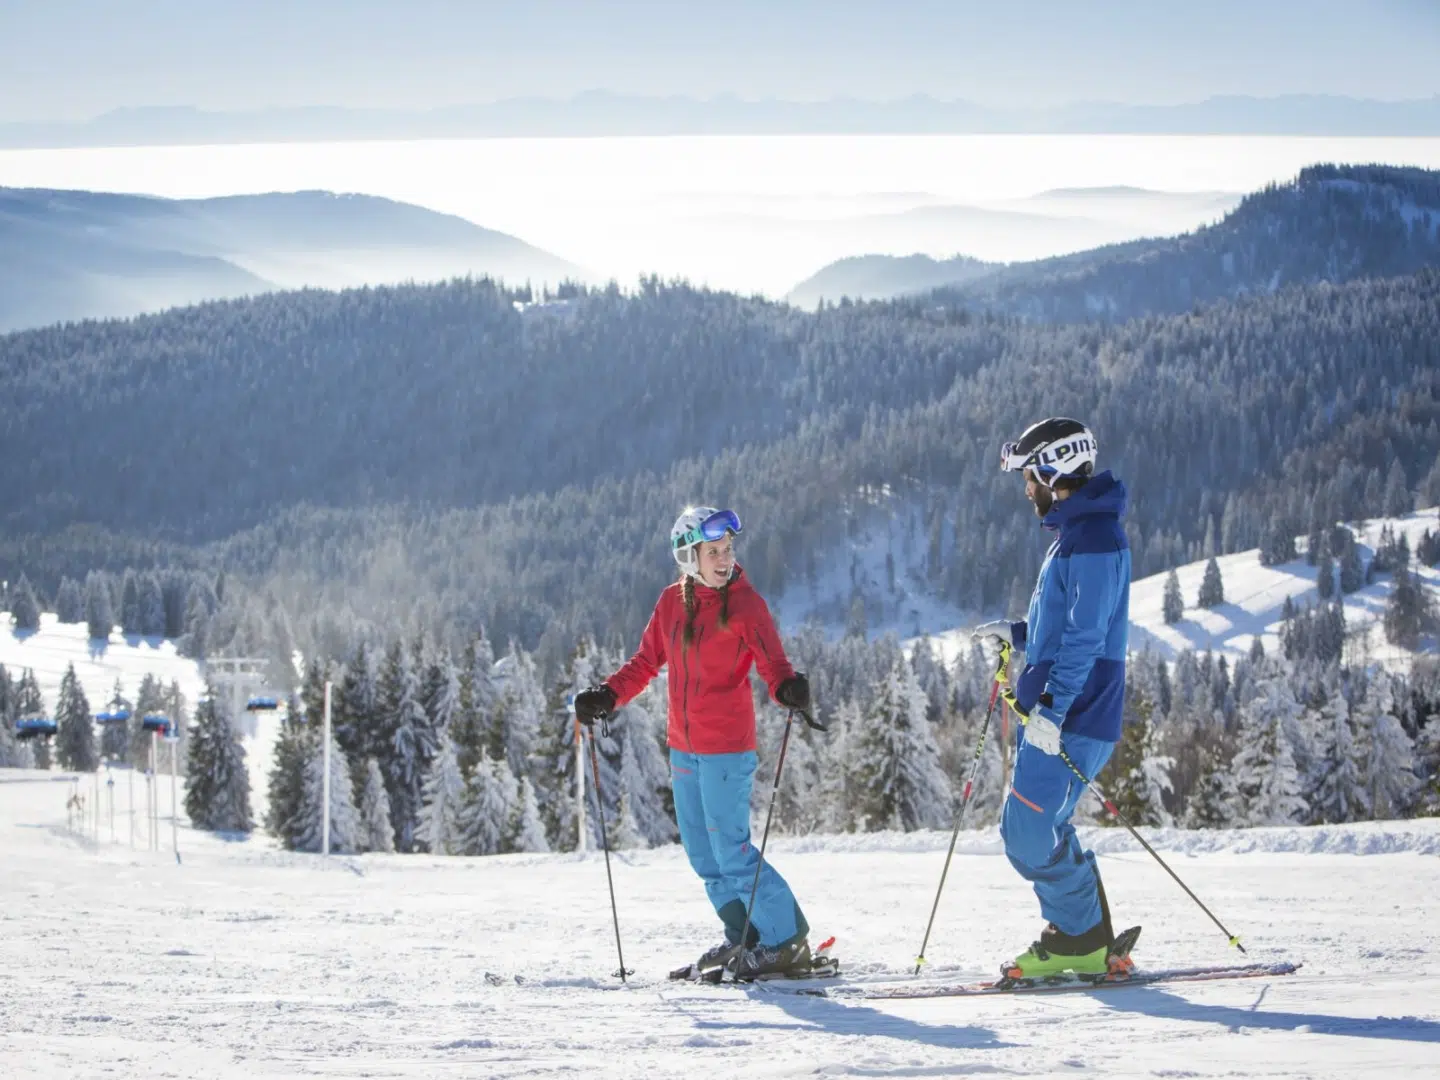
1044, 499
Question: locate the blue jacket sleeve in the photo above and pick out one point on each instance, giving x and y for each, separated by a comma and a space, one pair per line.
1019, 632
1090, 600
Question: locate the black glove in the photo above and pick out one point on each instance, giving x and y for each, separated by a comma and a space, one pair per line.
594, 703
794, 693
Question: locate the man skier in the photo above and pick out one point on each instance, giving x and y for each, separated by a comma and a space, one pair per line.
1071, 693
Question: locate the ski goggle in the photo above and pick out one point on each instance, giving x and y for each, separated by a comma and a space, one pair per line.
713, 527
1012, 460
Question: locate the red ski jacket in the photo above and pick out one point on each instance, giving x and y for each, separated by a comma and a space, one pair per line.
711, 710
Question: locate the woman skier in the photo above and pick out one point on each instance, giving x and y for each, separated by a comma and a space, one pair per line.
710, 626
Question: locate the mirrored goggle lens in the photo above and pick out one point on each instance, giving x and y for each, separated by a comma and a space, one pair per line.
713, 527
718, 524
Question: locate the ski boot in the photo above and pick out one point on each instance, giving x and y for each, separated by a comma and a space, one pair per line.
1045, 961
772, 962
1058, 953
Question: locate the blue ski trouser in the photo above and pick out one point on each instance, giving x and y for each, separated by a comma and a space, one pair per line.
712, 808
1039, 839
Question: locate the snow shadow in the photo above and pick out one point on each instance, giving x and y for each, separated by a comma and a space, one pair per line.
848, 1018
1166, 1005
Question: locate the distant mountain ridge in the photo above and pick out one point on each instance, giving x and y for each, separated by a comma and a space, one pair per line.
67, 255
882, 277
602, 113
1331, 223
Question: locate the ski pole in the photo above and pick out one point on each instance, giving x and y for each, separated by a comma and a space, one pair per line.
1002, 673
1115, 812
605, 843
765, 835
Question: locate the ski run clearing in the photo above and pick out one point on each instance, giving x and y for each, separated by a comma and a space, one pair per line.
246, 961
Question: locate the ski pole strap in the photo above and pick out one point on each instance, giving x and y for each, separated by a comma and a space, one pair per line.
1008, 696
810, 721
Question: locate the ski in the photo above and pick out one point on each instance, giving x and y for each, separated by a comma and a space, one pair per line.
820, 968
1054, 984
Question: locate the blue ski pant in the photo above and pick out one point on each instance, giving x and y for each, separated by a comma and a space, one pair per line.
712, 808
1039, 839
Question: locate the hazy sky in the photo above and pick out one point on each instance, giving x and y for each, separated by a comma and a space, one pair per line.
72, 59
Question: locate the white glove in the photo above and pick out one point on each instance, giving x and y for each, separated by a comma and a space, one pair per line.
999, 629
1042, 733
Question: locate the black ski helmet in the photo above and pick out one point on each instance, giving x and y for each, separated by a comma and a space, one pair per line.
1054, 448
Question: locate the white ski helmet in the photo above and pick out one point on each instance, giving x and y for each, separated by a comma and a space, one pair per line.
694, 526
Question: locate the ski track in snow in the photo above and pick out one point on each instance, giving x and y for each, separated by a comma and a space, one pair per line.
247, 961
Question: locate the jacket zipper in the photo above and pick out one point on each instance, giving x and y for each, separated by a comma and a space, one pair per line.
684, 687
685, 693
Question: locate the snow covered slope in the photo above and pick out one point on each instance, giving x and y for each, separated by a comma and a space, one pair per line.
128, 658
877, 559
1254, 598
246, 961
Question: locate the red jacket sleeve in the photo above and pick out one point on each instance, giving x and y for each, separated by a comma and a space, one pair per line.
635, 674
764, 643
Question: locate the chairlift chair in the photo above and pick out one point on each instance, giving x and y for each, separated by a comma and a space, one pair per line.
157, 722
262, 703
34, 727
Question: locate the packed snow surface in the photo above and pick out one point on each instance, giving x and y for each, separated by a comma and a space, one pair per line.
246, 961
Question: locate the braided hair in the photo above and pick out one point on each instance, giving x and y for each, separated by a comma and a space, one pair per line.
687, 591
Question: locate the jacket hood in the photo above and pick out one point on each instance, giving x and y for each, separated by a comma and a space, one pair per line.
1103, 493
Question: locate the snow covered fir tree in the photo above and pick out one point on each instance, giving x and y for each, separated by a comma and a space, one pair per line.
75, 745
1314, 732
217, 795
1211, 741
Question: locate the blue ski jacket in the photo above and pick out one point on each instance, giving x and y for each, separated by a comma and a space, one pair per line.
1076, 632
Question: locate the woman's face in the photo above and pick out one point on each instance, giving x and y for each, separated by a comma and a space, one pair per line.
717, 560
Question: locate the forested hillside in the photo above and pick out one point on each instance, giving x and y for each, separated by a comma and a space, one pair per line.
433, 457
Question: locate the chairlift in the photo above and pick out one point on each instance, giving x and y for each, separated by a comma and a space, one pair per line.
34, 727
157, 722
113, 716
262, 703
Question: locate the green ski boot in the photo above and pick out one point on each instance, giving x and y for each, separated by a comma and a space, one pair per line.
1057, 953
